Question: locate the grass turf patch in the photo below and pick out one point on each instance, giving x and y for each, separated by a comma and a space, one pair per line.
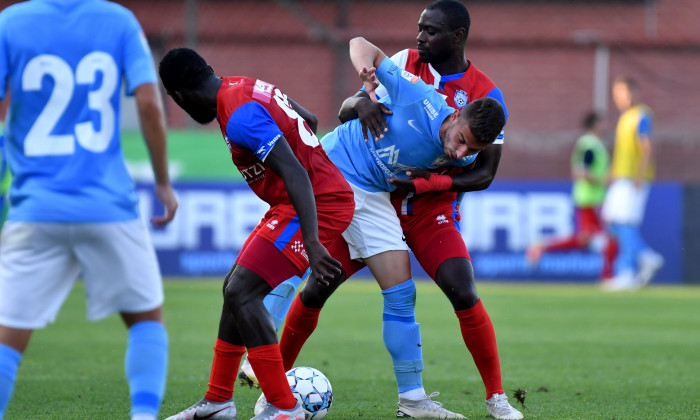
579, 353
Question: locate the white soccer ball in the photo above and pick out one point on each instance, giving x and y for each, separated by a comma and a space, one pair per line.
312, 389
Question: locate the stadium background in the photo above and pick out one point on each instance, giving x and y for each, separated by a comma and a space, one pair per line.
554, 61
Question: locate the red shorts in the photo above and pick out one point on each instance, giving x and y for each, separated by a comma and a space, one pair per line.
280, 227
433, 236
587, 220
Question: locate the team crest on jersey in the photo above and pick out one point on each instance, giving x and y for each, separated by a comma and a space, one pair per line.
410, 77
262, 91
461, 98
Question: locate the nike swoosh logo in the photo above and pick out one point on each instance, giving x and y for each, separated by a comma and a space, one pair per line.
208, 416
411, 123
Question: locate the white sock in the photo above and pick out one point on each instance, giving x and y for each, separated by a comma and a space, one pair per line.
414, 394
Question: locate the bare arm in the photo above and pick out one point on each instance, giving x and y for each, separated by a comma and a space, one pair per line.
476, 177
371, 114
366, 57
310, 118
483, 173
152, 118
283, 162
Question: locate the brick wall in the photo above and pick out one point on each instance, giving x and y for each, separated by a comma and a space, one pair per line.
541, 54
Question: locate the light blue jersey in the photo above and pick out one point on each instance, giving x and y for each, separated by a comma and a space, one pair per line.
412, 142
62, 128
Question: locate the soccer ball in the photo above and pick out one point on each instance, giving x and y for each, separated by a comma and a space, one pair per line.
312, 389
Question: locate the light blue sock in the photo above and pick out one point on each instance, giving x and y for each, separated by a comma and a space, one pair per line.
146, 366
9, 362
280, 299
401, 335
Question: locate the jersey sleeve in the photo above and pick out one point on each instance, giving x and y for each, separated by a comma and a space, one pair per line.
400, 59
138, 61
646, 126
251, 126
498, 95
402, 87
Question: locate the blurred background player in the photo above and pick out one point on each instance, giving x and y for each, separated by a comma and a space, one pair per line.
590, 165
73, 205
631, 173
311, 204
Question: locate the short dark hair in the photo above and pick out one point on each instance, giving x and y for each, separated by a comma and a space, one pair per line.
183, 68
486, 119
456, 14
590, 120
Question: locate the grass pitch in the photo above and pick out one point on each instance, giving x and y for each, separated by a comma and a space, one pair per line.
579, 353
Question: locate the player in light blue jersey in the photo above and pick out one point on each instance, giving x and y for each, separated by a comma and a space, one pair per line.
424, 133
73, 206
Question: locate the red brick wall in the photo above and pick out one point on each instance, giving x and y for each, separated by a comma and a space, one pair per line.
540, 53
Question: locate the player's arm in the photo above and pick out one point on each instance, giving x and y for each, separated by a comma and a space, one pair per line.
152, 118
366, 57
309, 117
645, 150
582, 170
282, 161
476, 177
371, 114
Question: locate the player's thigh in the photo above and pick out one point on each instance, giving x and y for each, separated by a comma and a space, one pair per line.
375, 228
120, 268
37, 271
434, 238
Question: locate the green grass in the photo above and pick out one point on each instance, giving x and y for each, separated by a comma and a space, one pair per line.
580, 353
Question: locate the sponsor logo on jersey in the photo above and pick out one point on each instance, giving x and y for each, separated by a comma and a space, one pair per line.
262, 91
412, 123
429, 109
441, 219
273, 224
253, 173
391, 154
392, 69
231, 84
410, 77
461, 98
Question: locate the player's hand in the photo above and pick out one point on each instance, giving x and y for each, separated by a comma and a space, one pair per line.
370, 82
166, 195
371, 116
408, 184
324, 268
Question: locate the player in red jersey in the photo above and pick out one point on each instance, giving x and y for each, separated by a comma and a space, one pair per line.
428, 204
311, 204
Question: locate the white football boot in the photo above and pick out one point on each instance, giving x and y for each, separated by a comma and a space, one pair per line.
425, 408
499, 408
205, 409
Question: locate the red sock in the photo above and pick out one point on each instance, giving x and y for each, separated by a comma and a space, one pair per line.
266, 362
565, 244
224, 368
480, 338
301, 321
609, 255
